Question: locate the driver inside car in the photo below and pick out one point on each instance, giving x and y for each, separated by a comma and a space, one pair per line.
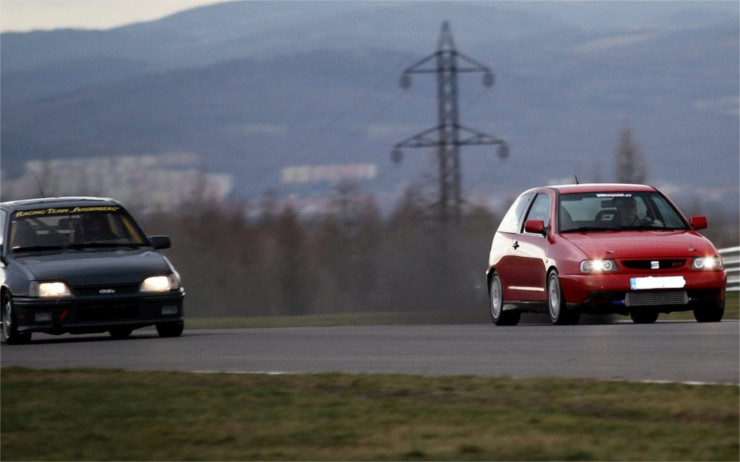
627, 214
95, 227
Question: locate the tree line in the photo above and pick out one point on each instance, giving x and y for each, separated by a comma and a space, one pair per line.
354, 260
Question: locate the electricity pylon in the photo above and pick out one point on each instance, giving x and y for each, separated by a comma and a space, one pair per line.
448, 136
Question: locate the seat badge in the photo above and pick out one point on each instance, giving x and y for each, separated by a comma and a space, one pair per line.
654, 264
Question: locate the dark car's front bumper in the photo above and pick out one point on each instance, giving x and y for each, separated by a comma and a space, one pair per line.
97, 314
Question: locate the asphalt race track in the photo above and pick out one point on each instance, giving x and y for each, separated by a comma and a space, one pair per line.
664, 351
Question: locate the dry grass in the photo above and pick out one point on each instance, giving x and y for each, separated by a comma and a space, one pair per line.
116, 415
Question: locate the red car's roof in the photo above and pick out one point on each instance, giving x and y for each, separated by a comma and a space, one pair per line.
600, 187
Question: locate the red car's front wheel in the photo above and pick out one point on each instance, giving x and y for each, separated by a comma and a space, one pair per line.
556, 306
711, 311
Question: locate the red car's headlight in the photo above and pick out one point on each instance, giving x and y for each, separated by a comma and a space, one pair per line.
598, 266
707, 263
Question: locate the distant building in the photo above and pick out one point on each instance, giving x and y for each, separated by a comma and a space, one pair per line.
303, 174
148, 183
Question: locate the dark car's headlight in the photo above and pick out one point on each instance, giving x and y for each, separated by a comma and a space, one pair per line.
598, 266
158, 284
707, 263
49, 289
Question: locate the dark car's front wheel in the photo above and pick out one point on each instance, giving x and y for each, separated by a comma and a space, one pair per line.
10, 326
170, 329
120, 333
498, 315
556, 306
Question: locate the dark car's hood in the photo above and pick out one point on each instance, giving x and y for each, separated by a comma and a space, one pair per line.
641, 244
94, 267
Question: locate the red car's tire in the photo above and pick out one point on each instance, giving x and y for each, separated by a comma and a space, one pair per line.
496, 295
644, 316
557, 309
710, 311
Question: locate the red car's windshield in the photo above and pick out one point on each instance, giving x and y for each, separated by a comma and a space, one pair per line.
617, 211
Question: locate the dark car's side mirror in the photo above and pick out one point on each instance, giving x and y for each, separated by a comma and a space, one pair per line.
535, 227
160, 242
699, 222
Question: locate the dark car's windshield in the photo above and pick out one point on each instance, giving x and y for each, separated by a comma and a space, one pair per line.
73, 227
605, 211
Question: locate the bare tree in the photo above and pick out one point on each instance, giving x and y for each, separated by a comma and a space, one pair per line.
630, 164
293, 266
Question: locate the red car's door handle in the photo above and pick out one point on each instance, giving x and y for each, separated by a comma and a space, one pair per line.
516, 245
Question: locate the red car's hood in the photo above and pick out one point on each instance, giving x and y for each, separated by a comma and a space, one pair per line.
641, 244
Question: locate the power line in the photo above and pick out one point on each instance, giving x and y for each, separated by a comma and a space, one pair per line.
448, 135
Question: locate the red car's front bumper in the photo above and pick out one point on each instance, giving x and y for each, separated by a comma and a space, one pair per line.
604, 293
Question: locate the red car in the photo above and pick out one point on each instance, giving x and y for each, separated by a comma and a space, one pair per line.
602, 249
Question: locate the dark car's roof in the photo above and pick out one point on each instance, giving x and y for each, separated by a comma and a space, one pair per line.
601, 187
27, 204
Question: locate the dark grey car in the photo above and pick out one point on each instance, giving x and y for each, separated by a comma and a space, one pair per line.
83, 265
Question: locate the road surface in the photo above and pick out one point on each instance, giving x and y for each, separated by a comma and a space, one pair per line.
664, 351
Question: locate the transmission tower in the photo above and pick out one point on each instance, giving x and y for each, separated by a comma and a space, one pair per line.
448, 136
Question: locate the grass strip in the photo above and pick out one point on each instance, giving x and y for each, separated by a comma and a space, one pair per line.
732, 311
120, 415
385, 318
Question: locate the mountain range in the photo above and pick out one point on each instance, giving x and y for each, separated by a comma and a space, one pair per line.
252, 88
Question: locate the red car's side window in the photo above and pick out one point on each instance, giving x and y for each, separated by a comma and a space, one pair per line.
540, 209
513, 218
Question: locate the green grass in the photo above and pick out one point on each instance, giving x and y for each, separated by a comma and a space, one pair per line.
117, 415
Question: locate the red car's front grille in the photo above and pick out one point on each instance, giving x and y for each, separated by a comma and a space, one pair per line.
656, 298
667, 264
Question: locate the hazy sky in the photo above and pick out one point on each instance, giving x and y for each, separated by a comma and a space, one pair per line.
25, 15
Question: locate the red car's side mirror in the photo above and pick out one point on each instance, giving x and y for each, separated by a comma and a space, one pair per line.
534, 227
699, 222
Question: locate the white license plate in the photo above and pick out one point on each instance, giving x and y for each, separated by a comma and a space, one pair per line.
657, 282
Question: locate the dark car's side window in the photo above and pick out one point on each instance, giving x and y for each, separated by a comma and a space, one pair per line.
540, 209
3, 224
513, 218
